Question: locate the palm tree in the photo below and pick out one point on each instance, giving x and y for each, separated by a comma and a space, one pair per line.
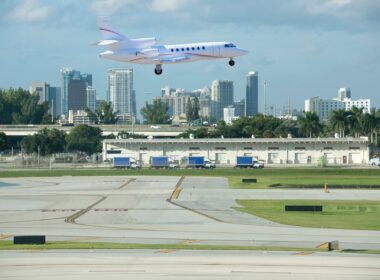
355, 117
370, 126
339, 121
309, 124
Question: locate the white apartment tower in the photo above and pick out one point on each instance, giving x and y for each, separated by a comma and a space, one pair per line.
222, 96
324, 107
120, 90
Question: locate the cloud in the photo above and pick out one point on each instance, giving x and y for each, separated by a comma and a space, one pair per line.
169, 5
109, 7
29, 11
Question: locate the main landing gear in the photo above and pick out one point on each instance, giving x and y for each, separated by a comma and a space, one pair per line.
158, 69
231, 62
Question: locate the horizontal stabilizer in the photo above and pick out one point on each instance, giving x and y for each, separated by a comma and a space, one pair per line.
105, 42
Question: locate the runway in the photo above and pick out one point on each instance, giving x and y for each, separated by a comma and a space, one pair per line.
171, 264
138, 210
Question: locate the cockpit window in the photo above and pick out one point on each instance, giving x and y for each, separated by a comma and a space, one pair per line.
229, 45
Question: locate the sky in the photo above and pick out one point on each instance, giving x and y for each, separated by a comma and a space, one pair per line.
301, 48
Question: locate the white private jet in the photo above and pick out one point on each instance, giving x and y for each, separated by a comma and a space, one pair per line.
146, 51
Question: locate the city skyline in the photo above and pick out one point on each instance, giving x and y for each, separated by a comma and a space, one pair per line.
301, 48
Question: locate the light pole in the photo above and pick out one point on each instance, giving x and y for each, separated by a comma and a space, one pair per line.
265, 97
133, 123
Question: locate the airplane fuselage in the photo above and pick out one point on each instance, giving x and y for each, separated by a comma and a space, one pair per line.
194, 52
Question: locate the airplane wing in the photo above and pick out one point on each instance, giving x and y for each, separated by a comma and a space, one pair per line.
172, 58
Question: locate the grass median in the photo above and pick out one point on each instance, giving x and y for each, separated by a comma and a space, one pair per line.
339, 214
58, 245
265, 177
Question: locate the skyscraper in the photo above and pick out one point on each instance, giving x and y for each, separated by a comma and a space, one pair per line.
67, 75
77, 95
91, 98
42, 89
222, 95
252, 94
239, 108
120, 90
55, 101
344, 93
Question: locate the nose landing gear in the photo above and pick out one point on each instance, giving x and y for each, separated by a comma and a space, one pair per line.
158, 69
231, 62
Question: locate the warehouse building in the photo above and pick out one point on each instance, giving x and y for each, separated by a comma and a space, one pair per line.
273, 151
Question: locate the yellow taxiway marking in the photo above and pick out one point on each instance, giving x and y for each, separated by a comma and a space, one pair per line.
166, 251
190, 241
3, 236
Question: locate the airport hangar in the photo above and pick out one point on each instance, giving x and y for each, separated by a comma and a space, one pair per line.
273, 151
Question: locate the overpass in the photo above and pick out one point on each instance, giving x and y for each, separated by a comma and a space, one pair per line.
147, 130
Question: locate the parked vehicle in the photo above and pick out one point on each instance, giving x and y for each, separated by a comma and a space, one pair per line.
199, 162
374, 161
209, 164
248, 162
163, 162
125, 162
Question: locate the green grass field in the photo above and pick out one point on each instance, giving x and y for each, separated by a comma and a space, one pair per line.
70, 245
336, 214
265, 177
8, 245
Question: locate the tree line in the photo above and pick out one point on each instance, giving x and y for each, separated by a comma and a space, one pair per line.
18, 106
353, 123
82, 138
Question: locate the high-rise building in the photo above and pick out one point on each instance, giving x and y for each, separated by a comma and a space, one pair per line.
49, 94
120, 91
222, 95
67, 75
55, 101
229, 114
239, 108
344, 93
77, 95
324, 107
42, 89
91, 98
252, 94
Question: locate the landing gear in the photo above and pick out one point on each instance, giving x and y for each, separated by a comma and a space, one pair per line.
231, 62
158, 69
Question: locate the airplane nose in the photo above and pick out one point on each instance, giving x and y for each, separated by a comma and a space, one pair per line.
242, 51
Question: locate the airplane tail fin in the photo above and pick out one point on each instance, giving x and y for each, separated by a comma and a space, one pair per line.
108, 32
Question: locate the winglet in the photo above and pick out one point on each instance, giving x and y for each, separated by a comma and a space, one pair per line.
108, 32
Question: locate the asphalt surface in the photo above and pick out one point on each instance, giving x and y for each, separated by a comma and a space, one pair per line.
139, 210
171, 264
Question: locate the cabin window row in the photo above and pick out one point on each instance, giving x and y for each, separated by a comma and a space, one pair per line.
188, 49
